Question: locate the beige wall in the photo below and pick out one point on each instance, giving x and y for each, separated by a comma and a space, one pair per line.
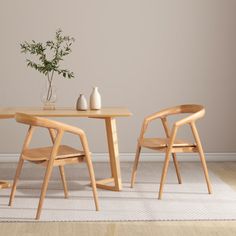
142, 54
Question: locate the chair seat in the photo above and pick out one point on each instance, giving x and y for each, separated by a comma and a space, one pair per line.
4, 184
163, 143
43, 153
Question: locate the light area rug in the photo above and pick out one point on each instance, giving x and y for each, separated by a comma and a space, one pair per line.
187, 201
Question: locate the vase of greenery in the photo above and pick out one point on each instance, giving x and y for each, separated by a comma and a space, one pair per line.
48, 56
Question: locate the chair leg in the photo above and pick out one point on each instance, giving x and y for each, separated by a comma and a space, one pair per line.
164, 173
17, 175
93, 181
202, 156
63, 178
135, 166
204, 165
176, 164
44, 189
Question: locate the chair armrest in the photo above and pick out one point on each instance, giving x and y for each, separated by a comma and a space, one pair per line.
46, 123
64, 127
145, 124
72, 129
160, 114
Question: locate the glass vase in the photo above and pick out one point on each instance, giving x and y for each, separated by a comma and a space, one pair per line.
48, 95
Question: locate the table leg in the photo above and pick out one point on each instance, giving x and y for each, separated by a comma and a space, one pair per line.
114, 158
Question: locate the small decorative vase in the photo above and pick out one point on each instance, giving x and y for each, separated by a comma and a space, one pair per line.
48, 96
81, 104
95, 99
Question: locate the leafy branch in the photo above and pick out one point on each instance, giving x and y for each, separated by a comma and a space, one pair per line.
49, 56
60, 47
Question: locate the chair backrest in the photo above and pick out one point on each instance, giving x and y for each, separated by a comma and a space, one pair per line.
37, 121
187, 108
196, 111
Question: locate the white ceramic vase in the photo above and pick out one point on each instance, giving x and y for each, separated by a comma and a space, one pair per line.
95, 99
81, 104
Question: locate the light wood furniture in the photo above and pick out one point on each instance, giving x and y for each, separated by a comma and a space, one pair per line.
108, 115
55, 155
4, 184
170, 145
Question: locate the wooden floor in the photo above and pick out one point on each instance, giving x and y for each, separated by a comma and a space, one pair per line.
225, 170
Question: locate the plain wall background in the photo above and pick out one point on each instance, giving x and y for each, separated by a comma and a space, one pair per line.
142, 54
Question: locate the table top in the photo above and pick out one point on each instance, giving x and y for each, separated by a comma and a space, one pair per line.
9, 112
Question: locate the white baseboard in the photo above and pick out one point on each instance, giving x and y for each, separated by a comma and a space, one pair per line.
124, 157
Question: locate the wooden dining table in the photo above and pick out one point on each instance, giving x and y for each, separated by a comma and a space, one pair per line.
107, 114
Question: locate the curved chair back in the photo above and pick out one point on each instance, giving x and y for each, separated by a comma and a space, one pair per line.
196, 111
37, 121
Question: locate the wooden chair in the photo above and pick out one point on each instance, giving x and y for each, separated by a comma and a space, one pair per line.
55, 155
170, 145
